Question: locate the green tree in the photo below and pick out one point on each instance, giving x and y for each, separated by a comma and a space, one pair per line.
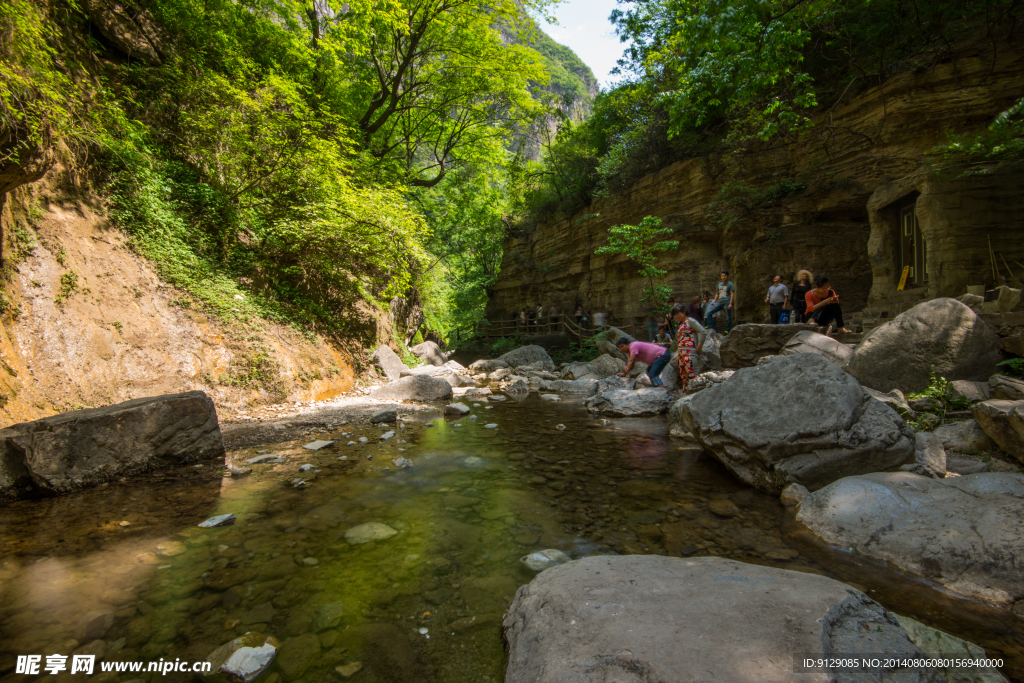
641, 244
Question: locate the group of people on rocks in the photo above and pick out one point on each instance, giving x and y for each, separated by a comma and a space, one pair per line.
813, 299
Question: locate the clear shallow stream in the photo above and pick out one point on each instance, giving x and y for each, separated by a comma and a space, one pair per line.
121, 571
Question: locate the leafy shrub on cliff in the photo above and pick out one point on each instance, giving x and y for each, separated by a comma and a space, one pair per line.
1002, 141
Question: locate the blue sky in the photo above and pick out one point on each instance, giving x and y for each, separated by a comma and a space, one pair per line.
583, 25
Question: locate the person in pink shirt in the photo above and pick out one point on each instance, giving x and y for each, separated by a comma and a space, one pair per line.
656, 357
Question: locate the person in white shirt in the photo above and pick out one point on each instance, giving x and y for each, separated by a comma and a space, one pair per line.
777, 299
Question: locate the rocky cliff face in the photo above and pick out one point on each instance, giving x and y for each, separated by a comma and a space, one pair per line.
776, 210
120, 333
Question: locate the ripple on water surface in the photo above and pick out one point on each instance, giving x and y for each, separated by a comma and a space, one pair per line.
404, 572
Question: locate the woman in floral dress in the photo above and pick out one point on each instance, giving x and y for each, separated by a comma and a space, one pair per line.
687, 345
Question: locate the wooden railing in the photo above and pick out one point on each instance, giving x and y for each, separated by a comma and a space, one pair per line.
493, 329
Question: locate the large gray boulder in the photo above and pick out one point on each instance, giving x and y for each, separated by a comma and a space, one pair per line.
964, 533
630, 403
605, 366
614, 334
815, 342
389, 362
711, 356
1003, 421
415, 388
929, 456
526, 355
746, 344
646, 618
799, 419
430, 353
87, 447
942, 335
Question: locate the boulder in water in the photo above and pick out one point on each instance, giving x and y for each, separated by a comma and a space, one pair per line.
82, 448
826, 428
963, 532
628, 403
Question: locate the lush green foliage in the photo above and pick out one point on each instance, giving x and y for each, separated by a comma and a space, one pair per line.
1002, 141
706, 78
289, 163
641, 244
1014, 366
41, 104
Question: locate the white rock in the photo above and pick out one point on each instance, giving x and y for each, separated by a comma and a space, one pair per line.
540, 560
248, 662
219, 520
317, 445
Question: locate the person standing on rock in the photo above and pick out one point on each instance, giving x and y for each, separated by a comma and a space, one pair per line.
689, 343
723, 301
823, 306
802, 285
656, 357
777, 299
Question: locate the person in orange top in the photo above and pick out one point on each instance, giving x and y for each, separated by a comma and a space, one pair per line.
823, 305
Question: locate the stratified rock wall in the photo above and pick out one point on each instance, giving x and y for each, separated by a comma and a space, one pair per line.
873, 137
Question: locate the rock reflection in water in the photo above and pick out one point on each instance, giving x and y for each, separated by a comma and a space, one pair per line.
415, 595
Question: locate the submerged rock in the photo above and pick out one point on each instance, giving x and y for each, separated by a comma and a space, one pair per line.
963, 532
266, 460
826, 429
318, 445
219, 520
539, 560
371, 531
649, 618
243, 659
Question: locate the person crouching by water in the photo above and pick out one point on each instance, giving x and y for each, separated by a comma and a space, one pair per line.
823, 306
690, 344
656, 357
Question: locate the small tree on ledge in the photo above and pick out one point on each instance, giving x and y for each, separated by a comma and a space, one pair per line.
641, 244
